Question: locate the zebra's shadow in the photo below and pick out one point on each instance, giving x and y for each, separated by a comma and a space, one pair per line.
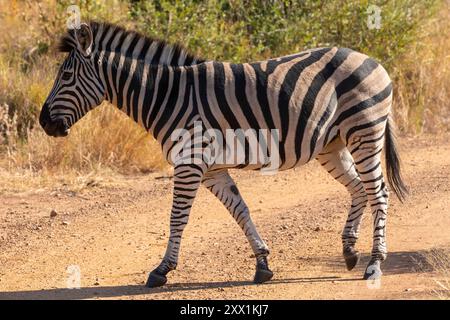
137, 290
399, 262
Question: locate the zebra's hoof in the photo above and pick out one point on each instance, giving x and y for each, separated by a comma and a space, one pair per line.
351, 259
155, 280
373, 270
262, 275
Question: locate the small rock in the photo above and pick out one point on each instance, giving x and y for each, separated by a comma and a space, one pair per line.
318, 229
408, 289
65, 223
53, 213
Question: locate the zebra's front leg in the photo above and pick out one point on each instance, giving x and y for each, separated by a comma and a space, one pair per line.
224, 188
187, 179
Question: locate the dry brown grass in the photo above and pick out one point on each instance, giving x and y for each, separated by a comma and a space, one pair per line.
422, 86
440, 261
104, 140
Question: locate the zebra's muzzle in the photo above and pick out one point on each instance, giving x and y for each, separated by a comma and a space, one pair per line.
54, 128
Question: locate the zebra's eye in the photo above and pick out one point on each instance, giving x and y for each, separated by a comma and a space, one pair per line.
66, 75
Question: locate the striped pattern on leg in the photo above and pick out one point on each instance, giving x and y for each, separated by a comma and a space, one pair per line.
224, 188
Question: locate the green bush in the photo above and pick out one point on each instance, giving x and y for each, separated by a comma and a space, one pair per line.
251, 30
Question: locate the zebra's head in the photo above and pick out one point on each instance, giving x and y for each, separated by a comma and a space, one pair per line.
77, 88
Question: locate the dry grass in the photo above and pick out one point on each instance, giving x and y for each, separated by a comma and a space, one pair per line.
440, 261
422, 86
103, 140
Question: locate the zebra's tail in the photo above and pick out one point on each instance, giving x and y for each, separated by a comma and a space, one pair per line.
393, 163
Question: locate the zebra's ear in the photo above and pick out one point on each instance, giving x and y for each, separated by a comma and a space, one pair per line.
84, 39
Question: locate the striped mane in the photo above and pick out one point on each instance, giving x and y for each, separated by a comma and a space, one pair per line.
154, 50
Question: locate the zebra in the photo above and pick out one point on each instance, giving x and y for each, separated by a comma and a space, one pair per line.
330, 104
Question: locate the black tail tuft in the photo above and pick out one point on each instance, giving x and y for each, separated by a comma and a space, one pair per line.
393, 163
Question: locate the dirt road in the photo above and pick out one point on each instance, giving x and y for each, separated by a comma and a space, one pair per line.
115, 231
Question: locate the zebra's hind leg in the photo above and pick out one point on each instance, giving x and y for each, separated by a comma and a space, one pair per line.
366, 151
224, 188
337, 160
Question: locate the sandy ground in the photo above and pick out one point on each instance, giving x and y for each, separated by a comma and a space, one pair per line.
115, 232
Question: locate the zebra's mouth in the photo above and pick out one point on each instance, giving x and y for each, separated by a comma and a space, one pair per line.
64, 133
56, 128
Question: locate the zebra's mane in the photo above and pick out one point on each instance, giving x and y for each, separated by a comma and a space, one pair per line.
169, 54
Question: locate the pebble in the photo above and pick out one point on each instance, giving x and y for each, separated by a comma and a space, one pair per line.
65, 223
53, 213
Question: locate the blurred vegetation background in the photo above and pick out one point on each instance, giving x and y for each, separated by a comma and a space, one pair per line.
413, 44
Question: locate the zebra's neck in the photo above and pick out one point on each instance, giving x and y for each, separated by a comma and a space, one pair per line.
149, 94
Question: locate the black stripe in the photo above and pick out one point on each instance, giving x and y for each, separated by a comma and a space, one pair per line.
261, 93
135, 87
311, 95
357, 76
121, 83
364, 126
157, 56
163, 85
133, 43
363, 105
332, 104
219, 90
171, 103
144, 50
184, 107
148, 95
202, 90
241, 97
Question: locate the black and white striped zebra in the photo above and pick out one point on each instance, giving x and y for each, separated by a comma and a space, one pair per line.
329, 104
